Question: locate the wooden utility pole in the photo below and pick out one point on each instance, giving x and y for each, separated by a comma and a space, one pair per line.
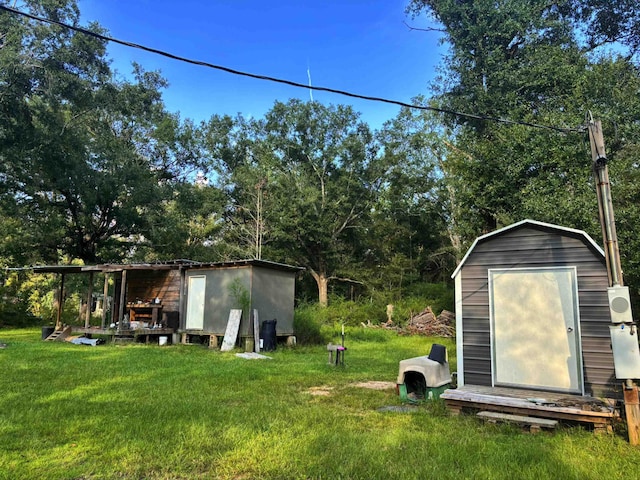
620, 317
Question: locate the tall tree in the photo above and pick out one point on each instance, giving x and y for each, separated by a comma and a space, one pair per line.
320, 170
84, 155
537, 62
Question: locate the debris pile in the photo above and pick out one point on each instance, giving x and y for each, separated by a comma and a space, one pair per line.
424, 323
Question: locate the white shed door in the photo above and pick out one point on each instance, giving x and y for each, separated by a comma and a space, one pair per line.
195, 303
535, 328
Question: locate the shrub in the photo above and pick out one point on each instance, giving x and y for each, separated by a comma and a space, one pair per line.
307, 325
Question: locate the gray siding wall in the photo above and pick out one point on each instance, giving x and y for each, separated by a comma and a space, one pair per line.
273, 293
218, 298
528, 247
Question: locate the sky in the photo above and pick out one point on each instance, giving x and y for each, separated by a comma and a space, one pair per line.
361, 46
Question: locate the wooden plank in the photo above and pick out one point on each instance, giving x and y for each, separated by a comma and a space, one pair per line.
520, 419
575, 415
231, 333
123, 296
256, 331
60, 303
471, 397
632, 413
105, 294
87, 319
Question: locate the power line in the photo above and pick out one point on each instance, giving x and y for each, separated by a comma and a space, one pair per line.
289, 82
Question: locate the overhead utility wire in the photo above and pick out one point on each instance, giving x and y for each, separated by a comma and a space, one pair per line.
289, 82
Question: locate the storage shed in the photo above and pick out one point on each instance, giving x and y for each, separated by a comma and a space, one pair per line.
188, 297
212, 290
532, 312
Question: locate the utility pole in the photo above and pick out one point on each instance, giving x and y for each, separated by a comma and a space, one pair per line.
624, 334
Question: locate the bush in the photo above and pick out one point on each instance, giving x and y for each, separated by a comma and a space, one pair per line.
314, 324
307, 325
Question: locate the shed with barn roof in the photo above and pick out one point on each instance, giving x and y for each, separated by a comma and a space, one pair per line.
532, 312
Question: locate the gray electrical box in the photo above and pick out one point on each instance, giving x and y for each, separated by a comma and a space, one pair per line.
619, 304
626, 353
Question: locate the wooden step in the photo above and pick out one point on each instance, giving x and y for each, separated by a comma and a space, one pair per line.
59, 335
534, 423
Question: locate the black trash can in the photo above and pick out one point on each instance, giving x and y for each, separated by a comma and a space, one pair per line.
268, 335
46, 331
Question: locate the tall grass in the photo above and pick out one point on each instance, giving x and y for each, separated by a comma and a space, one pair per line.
311, 320
183, 412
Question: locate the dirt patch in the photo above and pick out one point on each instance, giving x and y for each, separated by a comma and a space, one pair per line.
320, 391
373, 385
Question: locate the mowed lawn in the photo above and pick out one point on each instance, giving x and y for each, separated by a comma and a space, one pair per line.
181, 412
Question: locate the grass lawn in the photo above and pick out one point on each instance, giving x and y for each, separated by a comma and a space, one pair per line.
182, 412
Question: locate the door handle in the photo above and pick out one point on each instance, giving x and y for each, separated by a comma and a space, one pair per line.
569, 329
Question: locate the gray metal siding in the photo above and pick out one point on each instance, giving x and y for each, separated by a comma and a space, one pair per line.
529, 247
218, 298
273, 293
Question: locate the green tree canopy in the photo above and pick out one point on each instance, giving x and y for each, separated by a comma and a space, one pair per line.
84, 155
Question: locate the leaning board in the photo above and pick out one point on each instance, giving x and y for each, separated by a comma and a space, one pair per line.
231, 334
256, 331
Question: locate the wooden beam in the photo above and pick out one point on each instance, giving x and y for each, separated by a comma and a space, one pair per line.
632, 413
123, 298
60, 303
105, 294
87, 317
181, 313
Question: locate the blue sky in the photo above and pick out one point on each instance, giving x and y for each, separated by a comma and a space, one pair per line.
361, 46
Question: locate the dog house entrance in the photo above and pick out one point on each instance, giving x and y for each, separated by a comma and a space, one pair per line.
535, 328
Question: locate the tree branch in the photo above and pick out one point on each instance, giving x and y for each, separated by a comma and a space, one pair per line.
429, 29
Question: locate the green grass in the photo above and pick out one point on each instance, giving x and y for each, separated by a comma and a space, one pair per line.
182, 412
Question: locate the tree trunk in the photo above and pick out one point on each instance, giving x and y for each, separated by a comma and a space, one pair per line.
323, 282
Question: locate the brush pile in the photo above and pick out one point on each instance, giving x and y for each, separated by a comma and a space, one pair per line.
424, 323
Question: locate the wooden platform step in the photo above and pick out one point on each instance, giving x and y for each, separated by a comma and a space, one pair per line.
59, 335
535, 424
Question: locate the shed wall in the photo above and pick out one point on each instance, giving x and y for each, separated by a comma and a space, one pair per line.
273, 293
163, 284
530, 248
219, 300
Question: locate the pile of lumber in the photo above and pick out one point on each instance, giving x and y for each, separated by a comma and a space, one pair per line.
424, 323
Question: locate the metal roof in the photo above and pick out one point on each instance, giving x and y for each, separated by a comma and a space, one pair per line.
170, 265
533, 223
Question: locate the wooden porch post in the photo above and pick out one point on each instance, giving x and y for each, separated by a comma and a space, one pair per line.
181, 313
87, 317
105, 293
60, 303
123, 296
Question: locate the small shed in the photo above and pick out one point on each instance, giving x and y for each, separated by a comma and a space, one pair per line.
188, 297
532, 312
212, 290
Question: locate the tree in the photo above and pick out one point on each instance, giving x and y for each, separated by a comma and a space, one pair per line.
410, 221
538, 62
84, 154
188, 225
320, 170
